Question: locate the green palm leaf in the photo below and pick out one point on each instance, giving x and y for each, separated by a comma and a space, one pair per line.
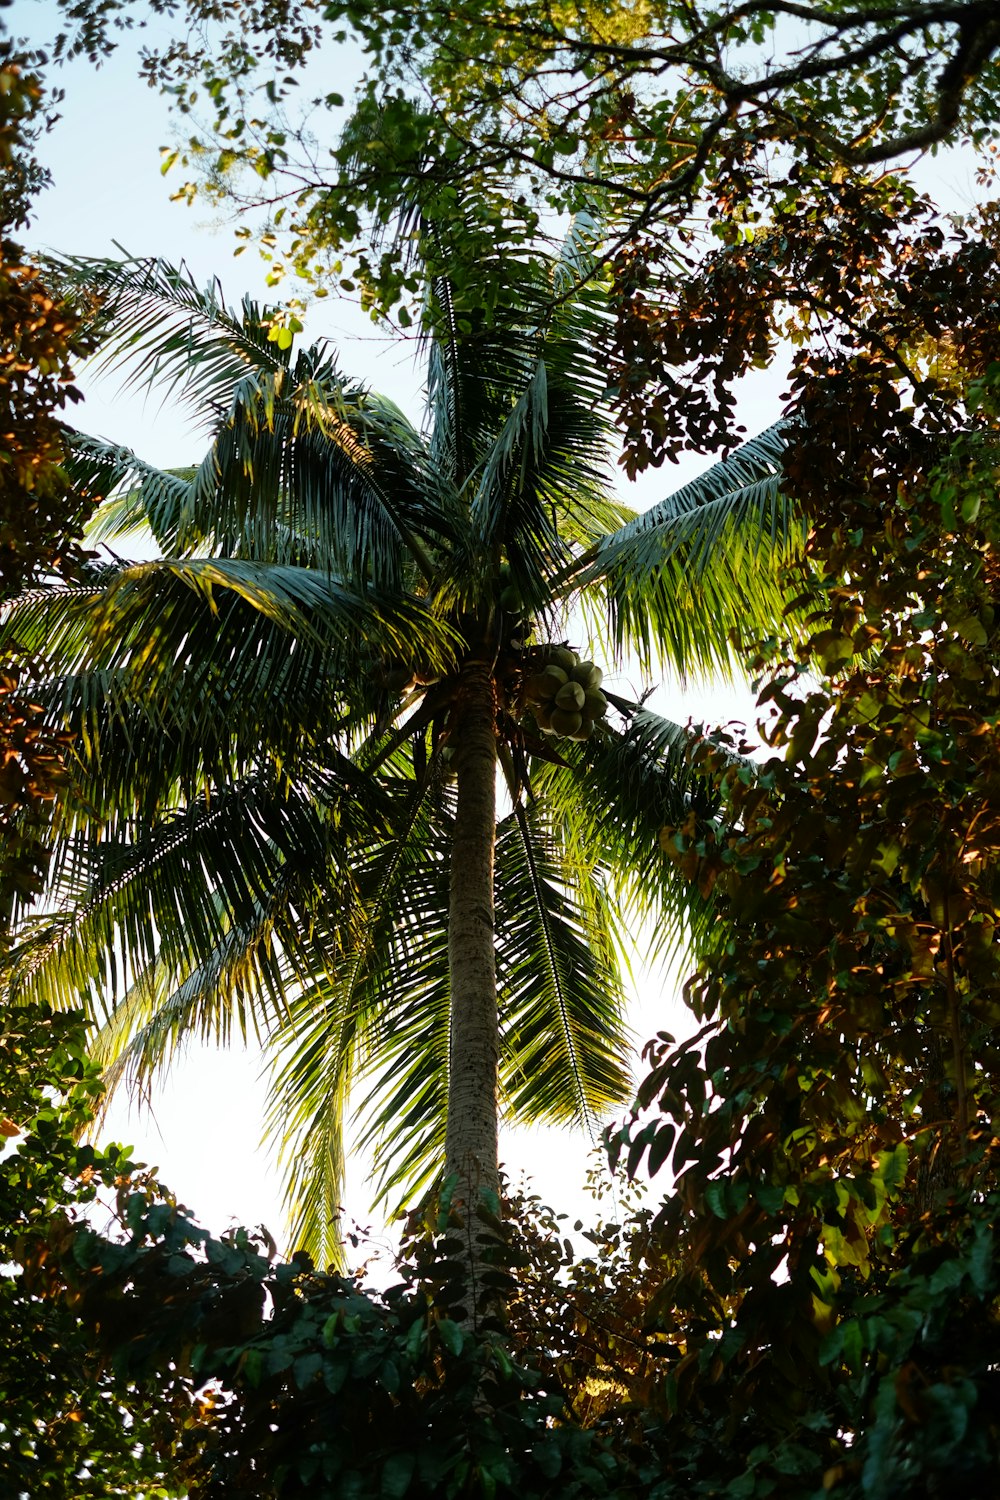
704, 567
170, 334
172, 888
371, 1008
271, 717
310, 1088
565, 1045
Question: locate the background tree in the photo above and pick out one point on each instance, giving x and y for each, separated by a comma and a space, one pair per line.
67, 1427
663, 112
291, 725
829, 1311
40, 518
336, 1392
72, 1424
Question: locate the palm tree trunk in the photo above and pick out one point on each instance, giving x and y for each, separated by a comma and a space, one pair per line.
471, 1137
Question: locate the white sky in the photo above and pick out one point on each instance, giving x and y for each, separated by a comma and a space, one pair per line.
204, 1125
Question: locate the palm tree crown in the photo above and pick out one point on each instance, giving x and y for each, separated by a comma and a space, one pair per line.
293, 723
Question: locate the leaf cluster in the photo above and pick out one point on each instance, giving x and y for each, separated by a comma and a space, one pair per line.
833, 1128
41, 518
308, 1385
837, 266
69, 1426
650, 110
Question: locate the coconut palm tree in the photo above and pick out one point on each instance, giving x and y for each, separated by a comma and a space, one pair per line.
292, 724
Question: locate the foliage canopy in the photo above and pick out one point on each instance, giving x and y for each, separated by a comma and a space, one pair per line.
652, 110
813, 1306
833, 1127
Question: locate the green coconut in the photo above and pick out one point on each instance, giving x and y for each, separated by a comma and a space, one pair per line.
585, 730
557, 674
562, 656
594, 703
588, 674
565, 722
570, 696
541, 688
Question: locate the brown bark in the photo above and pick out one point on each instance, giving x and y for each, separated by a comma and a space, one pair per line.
471, 1138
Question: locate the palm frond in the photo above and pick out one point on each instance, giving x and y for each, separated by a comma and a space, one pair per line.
612, 797
405, 1109
564, 1045
687, 579
314, 1051
177, 627
377, 1017
170, 891
158, 1016
281, 431
135, 496
166, 332
543, 485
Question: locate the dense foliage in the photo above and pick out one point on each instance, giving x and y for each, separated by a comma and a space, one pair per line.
334, 1393
655, 111
813, 1306
833, 1127
70, 1427
40, 518
64, 1430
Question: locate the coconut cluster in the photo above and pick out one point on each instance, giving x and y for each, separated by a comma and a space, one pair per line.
565, 696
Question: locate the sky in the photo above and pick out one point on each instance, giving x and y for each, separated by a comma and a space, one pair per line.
202, 1125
